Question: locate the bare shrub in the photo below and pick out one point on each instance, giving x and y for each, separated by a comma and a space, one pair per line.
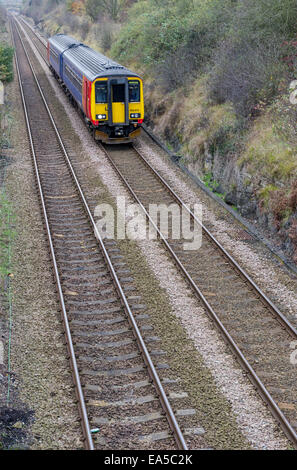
293, 196
244, 73
293, 238
182, 62
279, 206
176, 68
93, 9
68, 19
84, 28
3, 16
106, 36
36, 9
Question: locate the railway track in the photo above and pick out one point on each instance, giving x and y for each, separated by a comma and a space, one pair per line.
255, 329
258, 333
122, 395
38, 41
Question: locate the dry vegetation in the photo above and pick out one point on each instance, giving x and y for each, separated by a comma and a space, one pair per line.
217, 84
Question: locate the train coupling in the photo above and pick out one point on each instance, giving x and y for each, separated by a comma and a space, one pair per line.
119, 131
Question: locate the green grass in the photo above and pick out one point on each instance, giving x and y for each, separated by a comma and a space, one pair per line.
265, 194
268, 153
212, 184
207, 178
5, 135
6, 66
7, 234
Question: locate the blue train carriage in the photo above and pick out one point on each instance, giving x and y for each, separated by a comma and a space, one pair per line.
109, 95
56, 47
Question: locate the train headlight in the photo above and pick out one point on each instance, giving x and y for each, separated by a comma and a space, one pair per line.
100, 116
135, 115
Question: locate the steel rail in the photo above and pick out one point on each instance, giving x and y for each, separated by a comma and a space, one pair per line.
268, 302
151, 368
283, 320
290, 432
288, 429
42, 40
21, 22
78, 388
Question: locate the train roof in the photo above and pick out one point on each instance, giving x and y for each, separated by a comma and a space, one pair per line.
91, 63
62, 42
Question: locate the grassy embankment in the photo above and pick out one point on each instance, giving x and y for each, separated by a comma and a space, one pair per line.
6, 212
218, 78
217, 88
6, 75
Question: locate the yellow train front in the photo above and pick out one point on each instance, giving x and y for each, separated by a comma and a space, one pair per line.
109, 95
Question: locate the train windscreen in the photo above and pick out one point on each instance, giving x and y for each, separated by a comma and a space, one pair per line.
134, 91
101, 92
118, 93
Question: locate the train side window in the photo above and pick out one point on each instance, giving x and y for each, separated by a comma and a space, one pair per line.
101, 92
75, 79
134, 91
54, 55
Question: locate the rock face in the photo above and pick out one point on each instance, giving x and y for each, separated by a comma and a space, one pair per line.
231, 180
241, 190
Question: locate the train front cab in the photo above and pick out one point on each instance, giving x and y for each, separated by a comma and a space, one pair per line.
117, 108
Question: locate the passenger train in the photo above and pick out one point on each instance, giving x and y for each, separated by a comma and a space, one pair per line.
109, 95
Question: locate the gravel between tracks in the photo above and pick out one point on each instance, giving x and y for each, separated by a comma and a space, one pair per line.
277, 282
252, 417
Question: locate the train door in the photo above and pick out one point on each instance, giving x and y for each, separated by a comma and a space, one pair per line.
61, 66
85, 96
119, 101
